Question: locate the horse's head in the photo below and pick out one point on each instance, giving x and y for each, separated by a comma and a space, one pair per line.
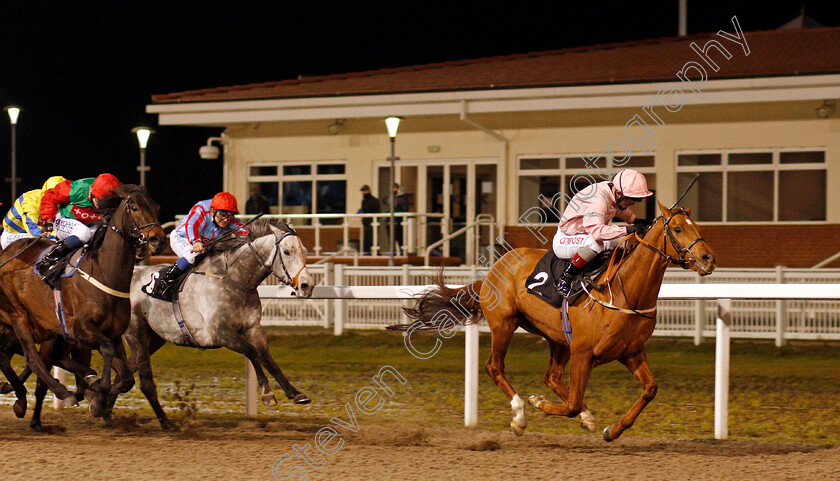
683, 242
135, 216
289, 262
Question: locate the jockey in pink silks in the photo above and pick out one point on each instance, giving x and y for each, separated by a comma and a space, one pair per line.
584, 230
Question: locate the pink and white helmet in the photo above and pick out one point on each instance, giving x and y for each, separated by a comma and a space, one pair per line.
631, 183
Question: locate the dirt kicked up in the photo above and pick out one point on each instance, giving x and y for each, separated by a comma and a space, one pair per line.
135, 448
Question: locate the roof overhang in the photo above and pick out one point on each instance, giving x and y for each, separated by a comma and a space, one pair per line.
729, 91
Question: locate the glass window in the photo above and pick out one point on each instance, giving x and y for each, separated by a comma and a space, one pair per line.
269, 190
263, 170
749, 196
327, 169
638, 161
802, 195
581, 163
297, 197
801, 157
706, 197
698, 159
530, 189
751, 158
535, 164
297, 169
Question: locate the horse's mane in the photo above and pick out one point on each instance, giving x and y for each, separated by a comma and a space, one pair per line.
258, 228
108, 207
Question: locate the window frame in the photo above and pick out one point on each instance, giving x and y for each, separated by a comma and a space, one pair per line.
776, 167
313, 177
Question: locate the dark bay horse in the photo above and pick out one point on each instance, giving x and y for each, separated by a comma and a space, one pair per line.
220, 306
609, 325
95, 300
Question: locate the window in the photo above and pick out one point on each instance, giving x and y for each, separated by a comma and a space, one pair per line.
754, 186
557, 178
302, 188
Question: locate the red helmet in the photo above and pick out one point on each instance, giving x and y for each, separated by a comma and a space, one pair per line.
224, 201
104, 185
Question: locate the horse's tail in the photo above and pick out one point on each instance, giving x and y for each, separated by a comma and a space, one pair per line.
441, 305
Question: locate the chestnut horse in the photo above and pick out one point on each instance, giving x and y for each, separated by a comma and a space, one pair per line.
95, 300
611, 324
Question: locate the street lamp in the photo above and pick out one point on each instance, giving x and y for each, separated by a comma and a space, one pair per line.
14, 111
392, 123
143, 134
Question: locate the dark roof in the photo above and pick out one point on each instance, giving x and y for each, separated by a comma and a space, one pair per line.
772, 53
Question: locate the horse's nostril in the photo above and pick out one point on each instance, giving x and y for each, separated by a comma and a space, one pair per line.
304, 286
708, 258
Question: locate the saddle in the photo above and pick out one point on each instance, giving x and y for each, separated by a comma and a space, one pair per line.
169, 294
543, 280
64, 267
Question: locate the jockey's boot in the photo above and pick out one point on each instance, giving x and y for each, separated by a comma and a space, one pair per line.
168, 280
58, 251
564, 284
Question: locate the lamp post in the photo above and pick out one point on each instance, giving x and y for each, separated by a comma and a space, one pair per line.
392, 123
143, 134
13, 117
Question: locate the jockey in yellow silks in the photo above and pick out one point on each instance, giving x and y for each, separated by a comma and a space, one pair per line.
21, 222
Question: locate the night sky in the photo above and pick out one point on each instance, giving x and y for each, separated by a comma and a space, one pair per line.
83, 72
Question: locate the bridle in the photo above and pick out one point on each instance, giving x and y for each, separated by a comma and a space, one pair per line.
684, 258
134, 236
289, 280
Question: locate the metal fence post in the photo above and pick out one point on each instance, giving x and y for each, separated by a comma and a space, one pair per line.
781, 310
340, 304
722, 369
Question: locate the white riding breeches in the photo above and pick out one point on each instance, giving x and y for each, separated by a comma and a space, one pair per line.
566, 246
7, 238
64, 228
182, 247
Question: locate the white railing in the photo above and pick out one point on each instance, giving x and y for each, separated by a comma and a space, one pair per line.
780, 320
723, 294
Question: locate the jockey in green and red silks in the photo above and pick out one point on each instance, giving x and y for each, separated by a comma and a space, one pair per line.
69, 209
585, 231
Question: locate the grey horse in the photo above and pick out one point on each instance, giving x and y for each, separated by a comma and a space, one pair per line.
220, 306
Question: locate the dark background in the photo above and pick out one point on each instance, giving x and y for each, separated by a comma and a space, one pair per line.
83, 72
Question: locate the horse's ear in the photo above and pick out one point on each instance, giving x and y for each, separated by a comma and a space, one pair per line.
665, 211
688, 210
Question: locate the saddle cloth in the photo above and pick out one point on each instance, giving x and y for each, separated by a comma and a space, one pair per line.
543, 280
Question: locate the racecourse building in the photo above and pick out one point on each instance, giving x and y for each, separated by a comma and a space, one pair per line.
497, 139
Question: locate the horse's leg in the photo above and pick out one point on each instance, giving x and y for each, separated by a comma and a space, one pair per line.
125, 377
143, 343
40, 394
81, 357
267, 394
501, 330
36, 363
15, 384
256, 341
99, 390
638, 365
554, 380
579, 371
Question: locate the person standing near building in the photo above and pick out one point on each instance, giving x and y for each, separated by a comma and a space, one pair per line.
370, 205
400, 205
257, 203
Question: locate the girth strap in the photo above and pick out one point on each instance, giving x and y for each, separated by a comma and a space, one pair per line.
102, 287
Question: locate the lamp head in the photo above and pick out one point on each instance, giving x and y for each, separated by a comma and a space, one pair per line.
392, 123
13, 113
208, 152
143, 134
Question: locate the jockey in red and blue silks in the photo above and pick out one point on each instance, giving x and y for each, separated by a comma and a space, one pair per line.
207, 220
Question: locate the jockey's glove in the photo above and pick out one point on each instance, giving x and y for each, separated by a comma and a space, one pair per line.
645, 222
636, 229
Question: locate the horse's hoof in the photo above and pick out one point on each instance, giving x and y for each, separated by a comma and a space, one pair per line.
301, 398
96, 407
165, 424
80, 396
607, 436
517, 410
20, 408
69, 402
5, 388
587, 421
517, 429
36, 426
536, 400
269, 399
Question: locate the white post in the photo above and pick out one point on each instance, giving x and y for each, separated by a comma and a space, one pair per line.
329, 305
58, 373
250, 390
405, 281
410, 235
340, 304
781, 317
699, 317
722, 370
471, 370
